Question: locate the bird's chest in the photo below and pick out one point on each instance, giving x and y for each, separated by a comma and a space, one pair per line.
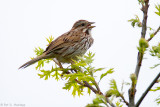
86, 43
81, 47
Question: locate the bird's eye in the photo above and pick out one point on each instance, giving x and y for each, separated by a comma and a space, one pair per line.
82, 24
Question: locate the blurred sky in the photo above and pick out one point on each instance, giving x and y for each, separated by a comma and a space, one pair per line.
24, 25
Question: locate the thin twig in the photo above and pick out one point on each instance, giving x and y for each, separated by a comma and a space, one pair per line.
86, 84
89, 86
147, 90
97, 87
154, 34
108, 101
80, 83
124, 99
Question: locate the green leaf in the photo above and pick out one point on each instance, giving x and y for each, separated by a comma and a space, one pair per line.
98, 69
158, 9
50, 39
98, 101
76, 88
110, 71
151, 35
158, 100
118, 104
80, 76
68, 85
89, 91
113, 88
156, 89
40, 64
56, 74
41, 75
135, 21
45, 74
89, 58
143, 43
141, 2
156, 65
155, 51
38, 51
150, 28
109, 93
78, 64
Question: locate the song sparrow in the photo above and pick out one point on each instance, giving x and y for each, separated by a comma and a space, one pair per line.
69, 45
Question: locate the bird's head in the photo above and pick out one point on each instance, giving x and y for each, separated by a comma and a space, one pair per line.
83, 25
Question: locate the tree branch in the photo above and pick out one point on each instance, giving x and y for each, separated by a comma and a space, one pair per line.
147, 90
154, 34
132, 90
143, 33
86, 84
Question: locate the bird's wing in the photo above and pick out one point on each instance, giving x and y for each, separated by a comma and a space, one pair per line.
67, 39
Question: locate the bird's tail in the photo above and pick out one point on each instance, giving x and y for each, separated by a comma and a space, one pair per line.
43, 56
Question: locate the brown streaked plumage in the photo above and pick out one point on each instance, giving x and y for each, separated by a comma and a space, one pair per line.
69, 45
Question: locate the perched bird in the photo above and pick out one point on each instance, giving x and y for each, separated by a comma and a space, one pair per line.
68, 46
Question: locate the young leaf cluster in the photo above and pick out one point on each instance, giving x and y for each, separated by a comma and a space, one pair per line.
50, 39
82, 71
99, 101
54, 72
141, 2
113, 89
135, 22
158, 9
143, 45
39, 51
155, 51
157, 99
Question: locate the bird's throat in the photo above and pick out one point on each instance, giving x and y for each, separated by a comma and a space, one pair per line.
88, 31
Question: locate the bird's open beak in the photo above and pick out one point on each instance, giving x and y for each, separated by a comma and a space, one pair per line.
90, 23
91, 27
